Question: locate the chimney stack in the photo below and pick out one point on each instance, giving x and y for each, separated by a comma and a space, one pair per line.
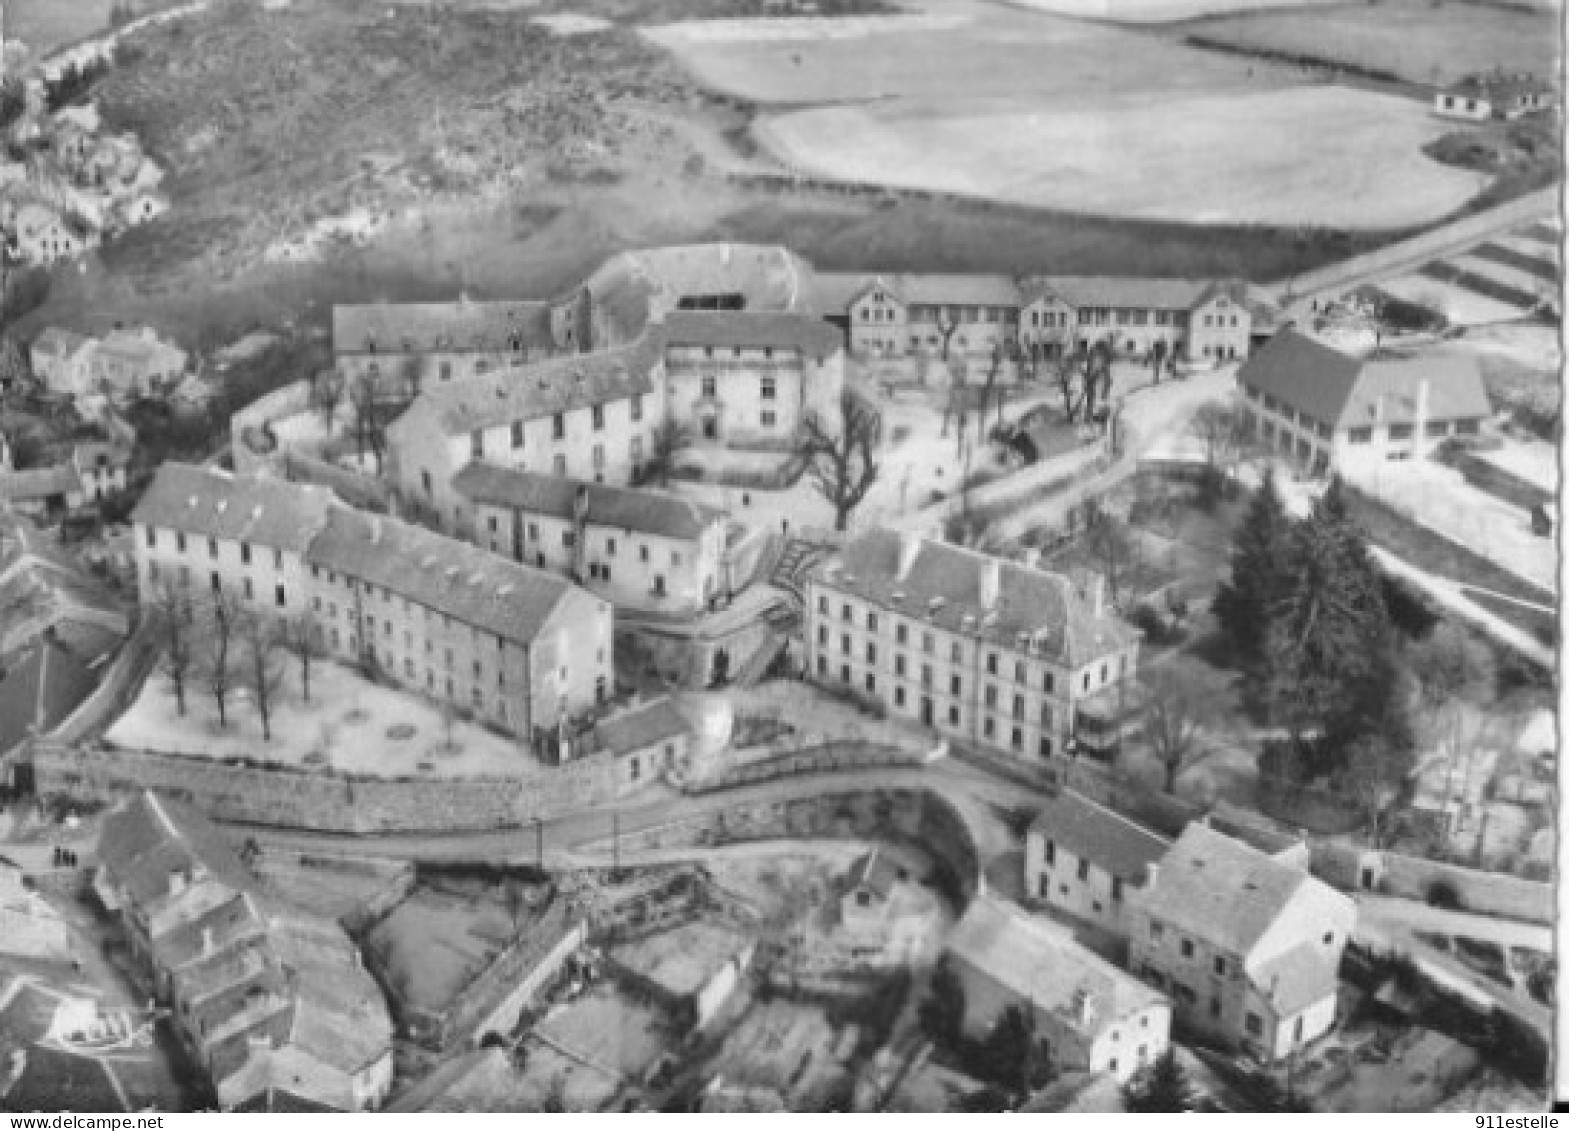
991, 583
1151, 874
909, 549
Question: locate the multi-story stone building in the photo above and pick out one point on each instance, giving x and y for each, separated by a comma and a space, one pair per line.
1324, 410
978, 649
1202, 321
638, 548
401, 347
748, 378
517, 647
266, 997
585, 416
1247, 945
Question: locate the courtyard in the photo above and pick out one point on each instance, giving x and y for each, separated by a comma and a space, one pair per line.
350, 726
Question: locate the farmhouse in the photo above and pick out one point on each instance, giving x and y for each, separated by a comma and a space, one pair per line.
587, 416
750, 377
1326, 410
1093, 1016
1088, 861
1476, 98
979, 649
637, 548
1247, 945
399, 347
520, 649
265, 996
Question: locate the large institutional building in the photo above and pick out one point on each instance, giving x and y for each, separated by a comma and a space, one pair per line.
517, 647
976, 648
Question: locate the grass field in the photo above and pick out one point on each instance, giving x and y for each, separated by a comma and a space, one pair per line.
1208, 159
46, 24
1016, 106
1420, 41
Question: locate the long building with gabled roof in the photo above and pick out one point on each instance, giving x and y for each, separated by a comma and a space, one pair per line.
977, 648
515, 646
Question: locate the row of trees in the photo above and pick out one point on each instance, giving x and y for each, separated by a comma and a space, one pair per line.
219, 646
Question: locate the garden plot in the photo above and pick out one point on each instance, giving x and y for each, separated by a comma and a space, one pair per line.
1534, 461
783, 1046
1438, 497
436, 942
1503, 273
1545, 253
350, 726
1460, 306
604, 1030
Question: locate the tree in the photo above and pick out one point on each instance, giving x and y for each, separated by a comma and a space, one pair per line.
667, 441
263, 673
947, 323
1259, 574
1224, 432
942, 1013
1457, 676
301, 635
990, 389
515, 899
176, 633
327, 395
1162, 1087
1328, 653
368, 431
1017, 1059
1177, 709
413, 371
843, 462
1067, 366
1374, 771
1112, 545
218, 661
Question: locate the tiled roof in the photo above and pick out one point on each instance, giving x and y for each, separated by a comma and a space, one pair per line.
207, 501
1130, 291
943, 587
543, 388
1297, 978
1251, 828
1347, 392
750, 329
1045, 966
945, 290
38, 483
40, 693
481, 327
625, 508
59, 342
874, 871
1499, 88
1094, 833
473, 585
1220, 889
642, 727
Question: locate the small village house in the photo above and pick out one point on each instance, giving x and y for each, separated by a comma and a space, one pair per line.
1093, 1016
1477, 98
647, 741
1088, 861
127, 364
100, 469
1247, 945
60, 358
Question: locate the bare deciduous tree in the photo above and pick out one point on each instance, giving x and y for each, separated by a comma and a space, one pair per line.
1176, 710
843, 461
368, 431
667, 441
327, 394
218, 661
177, 637
1113, 546
262, 669
302, 637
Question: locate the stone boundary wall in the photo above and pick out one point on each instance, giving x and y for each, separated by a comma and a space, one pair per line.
504, 1017
1411, 877
830, 757
477, 1002
324, 802
118, 687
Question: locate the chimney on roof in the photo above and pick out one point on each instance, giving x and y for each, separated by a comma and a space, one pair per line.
375, 532
1151, 874
991, 583
909, 549
1084, 1007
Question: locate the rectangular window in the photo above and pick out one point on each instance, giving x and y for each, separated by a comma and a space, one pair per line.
212, 547
1116, 888
1048, 683
250, 593
898, 665
901, 634
558, 427
1400, 431
1220, 965
1084, 869
710, 388
898, 697
769, 418
844, 643
1018, 706
599, 417
769, 389
517, 433
152, 537
956, 653
278, 596
599, 456
1051, 853
955, 685
637, 407
1187, 948
1360, 436
871, 683
871, 622
991, 664
245, 553
871, 653
991, 696
476, 444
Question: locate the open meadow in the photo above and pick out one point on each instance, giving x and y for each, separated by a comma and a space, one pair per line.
1015, 106
1420, 41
